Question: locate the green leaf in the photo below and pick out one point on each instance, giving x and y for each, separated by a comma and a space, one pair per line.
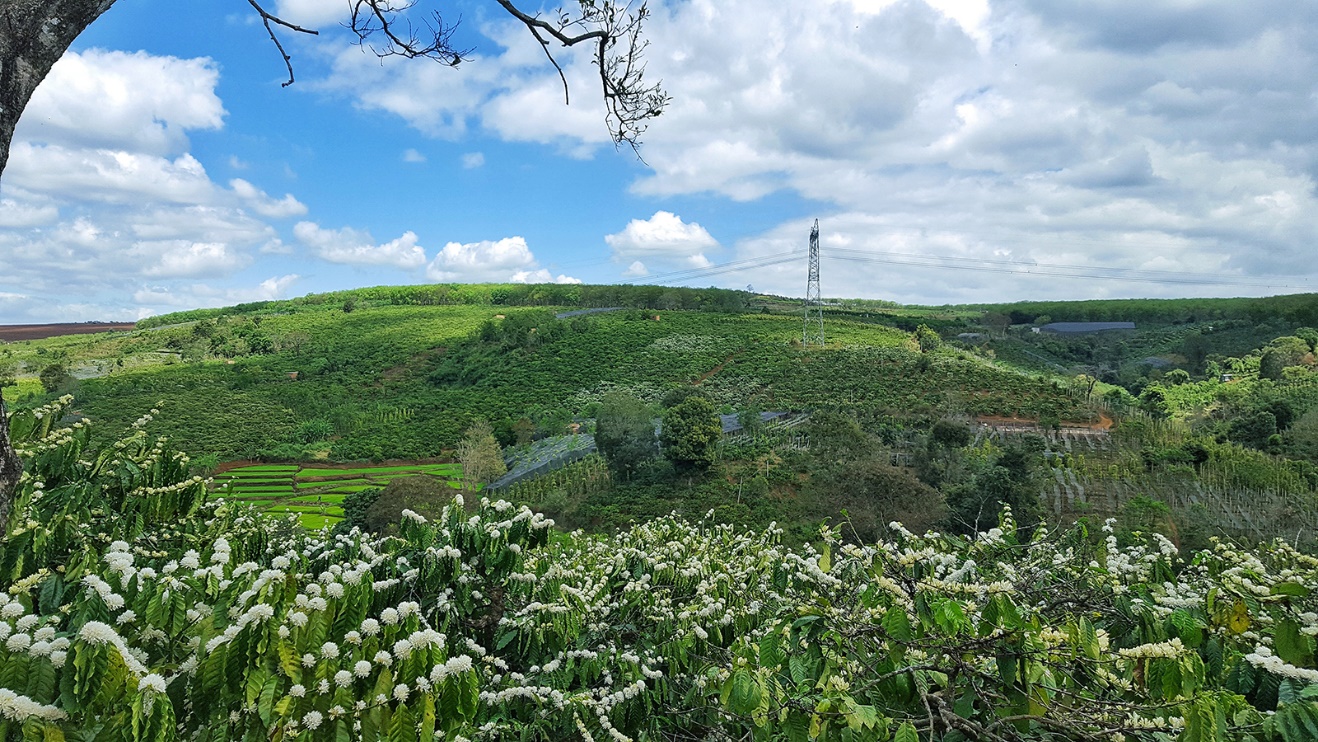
266, 701
771, 653
1291, 588
1188, 628
799, 667
1291, 645
906, 733
797, 726
897, 624
745, 695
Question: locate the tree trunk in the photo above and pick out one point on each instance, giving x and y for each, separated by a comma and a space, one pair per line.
34, 34
10, 469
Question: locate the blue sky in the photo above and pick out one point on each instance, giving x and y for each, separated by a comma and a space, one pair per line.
953, 150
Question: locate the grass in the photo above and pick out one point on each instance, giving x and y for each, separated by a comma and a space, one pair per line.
293, 493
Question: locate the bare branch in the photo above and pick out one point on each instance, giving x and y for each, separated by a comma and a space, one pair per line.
611, 26
374, 18
268, 18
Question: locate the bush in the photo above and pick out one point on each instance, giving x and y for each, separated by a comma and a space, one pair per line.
421, 493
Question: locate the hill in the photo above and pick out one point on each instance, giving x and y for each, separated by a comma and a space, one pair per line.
400, 375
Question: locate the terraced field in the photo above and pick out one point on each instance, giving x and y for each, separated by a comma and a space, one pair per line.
314, 493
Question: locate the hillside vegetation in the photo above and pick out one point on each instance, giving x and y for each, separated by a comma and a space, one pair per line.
132, 609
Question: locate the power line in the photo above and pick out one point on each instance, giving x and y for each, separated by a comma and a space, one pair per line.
1052, 269
986, 265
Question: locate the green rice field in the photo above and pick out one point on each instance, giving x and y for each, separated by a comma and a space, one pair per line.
315, 493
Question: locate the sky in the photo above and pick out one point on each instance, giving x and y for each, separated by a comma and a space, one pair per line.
953, 151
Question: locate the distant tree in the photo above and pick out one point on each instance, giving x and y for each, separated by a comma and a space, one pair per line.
1154, 402
1303, 436
1282, 353
420, 493
1253, 428
624, 433
750, 421
349, 305
837, 438
312, 431
927, 339
480, 456
8, 374
677, 395
691, 434
1196, 348
1176, 377
1012, 479
949, 434
54, 377
873, 493
1310, 336
996, 322
1084, 383
1118, 399
524, 430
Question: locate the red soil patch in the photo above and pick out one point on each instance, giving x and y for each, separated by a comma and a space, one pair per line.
701, 379
12, 333
1104, 422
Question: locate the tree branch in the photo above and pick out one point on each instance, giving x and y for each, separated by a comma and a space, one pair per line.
613, 27
268, 18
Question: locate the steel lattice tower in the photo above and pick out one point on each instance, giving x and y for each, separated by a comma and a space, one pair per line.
813, 333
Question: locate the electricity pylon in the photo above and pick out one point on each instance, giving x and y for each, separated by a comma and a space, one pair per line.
813, 334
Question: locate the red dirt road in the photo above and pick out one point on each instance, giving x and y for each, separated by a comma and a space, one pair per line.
11, 333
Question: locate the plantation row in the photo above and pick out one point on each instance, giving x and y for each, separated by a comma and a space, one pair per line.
315, 493
436, 368
132, 609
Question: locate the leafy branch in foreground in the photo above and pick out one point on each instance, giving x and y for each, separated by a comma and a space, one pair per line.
131, 608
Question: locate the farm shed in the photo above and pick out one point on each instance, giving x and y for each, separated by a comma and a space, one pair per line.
1075, 328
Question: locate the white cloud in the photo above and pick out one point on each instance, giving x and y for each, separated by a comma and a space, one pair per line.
508, 259
112, 176
264, 204
637, 268
662, 237
473, 160
313, 13
177, 259
355, 247
541, 276
164, 298
136, 101
101, 192
413, 156
15, 215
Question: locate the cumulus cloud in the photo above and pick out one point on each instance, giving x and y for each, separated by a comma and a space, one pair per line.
177, 259
15, 215
355, 247
112, 99
1123, 135
101, 193
263, 204
662, 237
473, 160
508, 259
313, 13
159, 298
413, 156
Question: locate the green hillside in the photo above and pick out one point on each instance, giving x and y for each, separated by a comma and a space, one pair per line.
395, 377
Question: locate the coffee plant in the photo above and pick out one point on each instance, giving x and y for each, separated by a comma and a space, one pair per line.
132, 608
